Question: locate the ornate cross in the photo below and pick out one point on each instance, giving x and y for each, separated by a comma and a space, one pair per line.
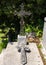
22, 13
23, 50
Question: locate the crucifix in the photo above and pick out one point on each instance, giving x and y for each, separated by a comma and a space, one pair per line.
22, 13
22, 44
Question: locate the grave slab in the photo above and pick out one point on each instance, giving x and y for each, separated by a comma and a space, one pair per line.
13, 57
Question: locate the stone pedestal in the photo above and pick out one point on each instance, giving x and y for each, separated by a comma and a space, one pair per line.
21, 40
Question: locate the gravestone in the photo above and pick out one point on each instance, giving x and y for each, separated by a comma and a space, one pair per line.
44, 34
22, 37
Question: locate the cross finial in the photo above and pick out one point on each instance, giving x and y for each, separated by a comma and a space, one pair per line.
22, 6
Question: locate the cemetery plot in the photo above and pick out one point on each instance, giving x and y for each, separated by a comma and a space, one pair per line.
12, 56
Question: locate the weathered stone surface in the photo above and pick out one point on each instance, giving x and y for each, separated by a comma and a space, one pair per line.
1, 59
21, 39
23, 56
43, 51
11, 55
44, 35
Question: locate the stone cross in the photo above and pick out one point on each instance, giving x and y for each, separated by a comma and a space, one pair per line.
22, 13
44, 34
23, 50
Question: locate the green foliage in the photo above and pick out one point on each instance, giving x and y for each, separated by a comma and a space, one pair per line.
27, 28
0, 48
3, 41
39, 46
3, 45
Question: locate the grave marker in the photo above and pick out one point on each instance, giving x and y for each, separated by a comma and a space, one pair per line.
22, 13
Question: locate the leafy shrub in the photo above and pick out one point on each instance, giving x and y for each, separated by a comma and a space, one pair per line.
3, 45
27, 29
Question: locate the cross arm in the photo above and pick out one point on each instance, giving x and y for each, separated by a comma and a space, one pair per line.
28, 13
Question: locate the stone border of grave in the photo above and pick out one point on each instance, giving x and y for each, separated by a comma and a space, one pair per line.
43, 56
43, 51
40, 48
43, 48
